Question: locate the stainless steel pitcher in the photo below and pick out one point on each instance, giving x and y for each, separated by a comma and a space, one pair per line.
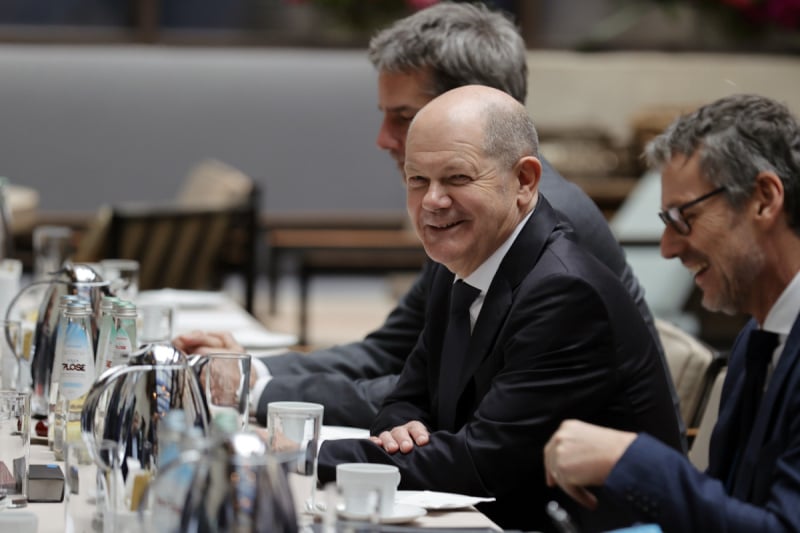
127, 402
230, 484
77, 279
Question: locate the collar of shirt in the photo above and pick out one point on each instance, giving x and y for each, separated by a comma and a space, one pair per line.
781, 317
482, 277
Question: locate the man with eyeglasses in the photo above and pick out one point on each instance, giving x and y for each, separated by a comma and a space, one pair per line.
731, 189
673, 216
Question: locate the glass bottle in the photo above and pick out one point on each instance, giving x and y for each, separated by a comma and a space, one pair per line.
55, 426
106, 335
173, 479
77, 371
124, 324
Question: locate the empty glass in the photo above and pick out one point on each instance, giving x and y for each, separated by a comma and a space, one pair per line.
94, 493
226, 378
124, 277
12, 375
155, 323
52, 245
294, 429
15, 414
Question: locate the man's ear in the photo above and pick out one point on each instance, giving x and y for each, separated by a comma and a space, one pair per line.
768, 197
528, 171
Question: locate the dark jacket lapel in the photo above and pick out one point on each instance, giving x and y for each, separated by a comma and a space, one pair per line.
768, 411
518, 262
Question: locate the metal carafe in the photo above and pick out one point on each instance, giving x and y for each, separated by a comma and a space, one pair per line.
127, 402
229, 484
77, 279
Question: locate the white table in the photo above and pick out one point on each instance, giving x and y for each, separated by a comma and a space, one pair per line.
216, 311
51, 515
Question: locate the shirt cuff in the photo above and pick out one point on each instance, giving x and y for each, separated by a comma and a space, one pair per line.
263, 377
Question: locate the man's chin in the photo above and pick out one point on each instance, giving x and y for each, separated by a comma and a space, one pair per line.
716, 306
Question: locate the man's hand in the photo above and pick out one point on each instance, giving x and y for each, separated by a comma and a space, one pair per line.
281, 443
402, 438
581, 455
205, 342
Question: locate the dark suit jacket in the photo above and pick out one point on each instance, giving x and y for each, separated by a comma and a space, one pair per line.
352, 380
557, 337
665, 488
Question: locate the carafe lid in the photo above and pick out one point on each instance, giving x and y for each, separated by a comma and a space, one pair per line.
157, 354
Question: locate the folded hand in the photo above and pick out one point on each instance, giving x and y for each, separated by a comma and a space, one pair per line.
403, 438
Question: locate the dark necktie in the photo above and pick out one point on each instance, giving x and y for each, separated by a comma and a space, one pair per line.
454, 351
760, 347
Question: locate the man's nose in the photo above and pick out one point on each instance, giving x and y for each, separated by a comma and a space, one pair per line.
386, 139
671, 243
436, 197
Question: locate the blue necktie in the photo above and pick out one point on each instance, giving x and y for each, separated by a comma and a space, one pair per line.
760, 347
454, 351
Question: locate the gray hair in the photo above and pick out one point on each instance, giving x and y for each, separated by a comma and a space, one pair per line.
459, 44
509, 134
737, 137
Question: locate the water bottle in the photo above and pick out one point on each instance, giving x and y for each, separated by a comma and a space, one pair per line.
124, 324
174, 480
106, 335
55, 415
77, 371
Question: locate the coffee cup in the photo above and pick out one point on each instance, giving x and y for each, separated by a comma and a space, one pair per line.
358, 480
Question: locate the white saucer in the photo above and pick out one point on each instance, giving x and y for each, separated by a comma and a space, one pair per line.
401, 514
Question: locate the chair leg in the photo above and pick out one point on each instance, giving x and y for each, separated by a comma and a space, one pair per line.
305, 278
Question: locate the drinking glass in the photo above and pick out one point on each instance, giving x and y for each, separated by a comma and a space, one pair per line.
10, 355
227, 387
94, 494
123, 275
10, 277
52, 245
156, 323
294, 429
15, 445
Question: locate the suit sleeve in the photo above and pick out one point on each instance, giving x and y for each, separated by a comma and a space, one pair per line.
556, 361
664, 487
353, 379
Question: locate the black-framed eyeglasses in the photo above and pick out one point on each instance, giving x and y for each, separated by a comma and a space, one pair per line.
673, 216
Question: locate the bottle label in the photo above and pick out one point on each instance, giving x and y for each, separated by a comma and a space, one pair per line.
122, 346
77, 365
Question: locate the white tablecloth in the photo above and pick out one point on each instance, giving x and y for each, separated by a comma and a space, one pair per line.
51, 515
215, 311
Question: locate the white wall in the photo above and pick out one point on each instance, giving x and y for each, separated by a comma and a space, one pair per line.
86, 124
604, 90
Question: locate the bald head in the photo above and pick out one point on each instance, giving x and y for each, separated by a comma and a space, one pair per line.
471, 174
496, 120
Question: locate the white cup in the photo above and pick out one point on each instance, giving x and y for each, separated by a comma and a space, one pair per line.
358, 480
